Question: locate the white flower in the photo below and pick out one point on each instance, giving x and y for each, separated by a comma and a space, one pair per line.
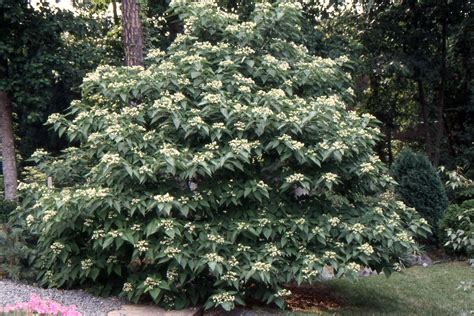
57, 247
366, 249
215, 238
163, 198
262, 266
283, 293
171, 251
169, 151
357, 228
230, 276
334, 221
30, 219
329, 177
213, 257
151, 283
352, 266
110, 159
296, 177
222, 298
127, 287
142, 245
86, 264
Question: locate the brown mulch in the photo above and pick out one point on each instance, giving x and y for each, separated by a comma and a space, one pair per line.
314, 297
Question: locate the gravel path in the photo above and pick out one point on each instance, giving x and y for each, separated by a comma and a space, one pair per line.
12, 292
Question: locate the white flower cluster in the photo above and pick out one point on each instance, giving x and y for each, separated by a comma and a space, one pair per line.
262, 111
218, 126
367, 167
142, 245
244, 89
53, 118
352, 266
112, 259
196, 121
283, 293
213, 257
273, 250
155, 53
366, 249
215, 84
169, 151
243, 248
163, 198
263, 222
30, 219
237, 145
330, 255
49, 214
151, 283
172, 274
215, 238
222, 298
296, 177
57, 247
279, 64
170, 252
405, 237
99, 233
273, 93
92, 193
262, 266
329, 177
114, 233
334, 221
212, 98
378, 210
127, 287
86, 264
230, 276
357, 228
309, 273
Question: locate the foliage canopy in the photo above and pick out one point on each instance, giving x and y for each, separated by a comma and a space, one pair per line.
237, 169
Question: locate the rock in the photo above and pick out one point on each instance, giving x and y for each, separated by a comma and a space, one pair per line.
328, 273
367, 271
150, 310
418, 260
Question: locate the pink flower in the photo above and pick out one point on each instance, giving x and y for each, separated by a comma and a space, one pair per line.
37, 305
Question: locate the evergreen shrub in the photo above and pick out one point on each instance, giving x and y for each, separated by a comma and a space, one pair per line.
419, 185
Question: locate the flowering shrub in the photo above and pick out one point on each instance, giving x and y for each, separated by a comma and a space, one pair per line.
38, 306
237, 169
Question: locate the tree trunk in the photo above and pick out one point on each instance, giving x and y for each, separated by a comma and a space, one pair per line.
441, 92
425, 117
8, 148
114, 12
132, 33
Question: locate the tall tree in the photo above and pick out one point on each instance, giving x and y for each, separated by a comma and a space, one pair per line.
8, 148
132, 33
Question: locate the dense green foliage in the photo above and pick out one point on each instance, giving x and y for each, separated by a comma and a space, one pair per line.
225, 168
419, 185
6, 207
456, 228
44, 54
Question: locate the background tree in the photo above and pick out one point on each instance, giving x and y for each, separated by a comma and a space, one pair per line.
132, 33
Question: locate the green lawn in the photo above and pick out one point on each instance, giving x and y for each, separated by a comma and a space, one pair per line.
416, 291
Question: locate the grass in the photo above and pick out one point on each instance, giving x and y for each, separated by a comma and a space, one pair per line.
416, 291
